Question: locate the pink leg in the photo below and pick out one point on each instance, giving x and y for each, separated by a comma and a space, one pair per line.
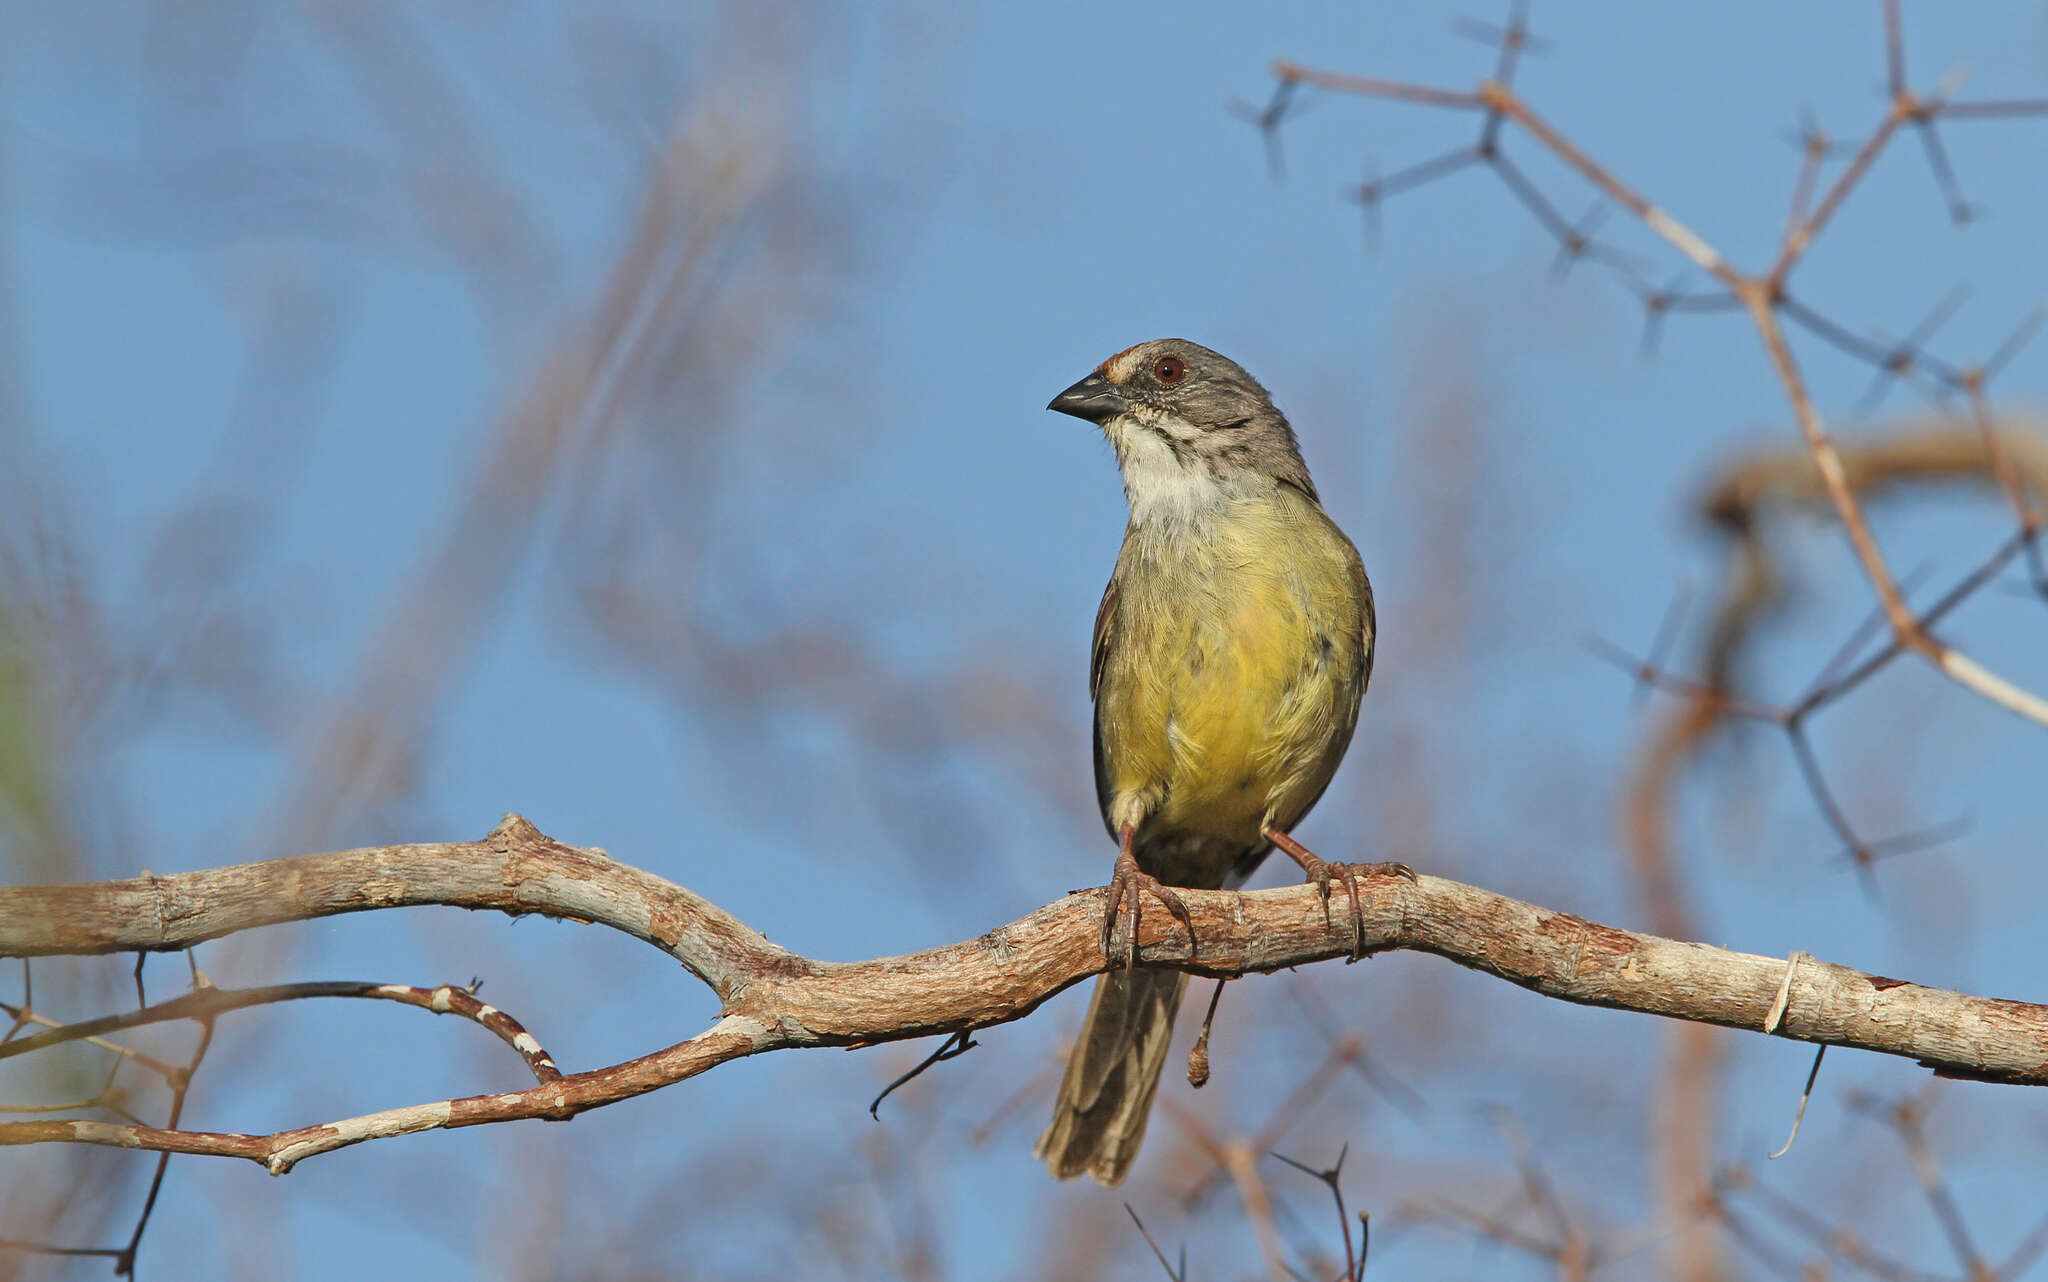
1323, 873
1129, 881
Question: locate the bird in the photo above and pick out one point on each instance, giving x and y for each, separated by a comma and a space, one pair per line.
1232, 647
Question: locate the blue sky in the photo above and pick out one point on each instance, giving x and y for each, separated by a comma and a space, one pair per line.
1007, 195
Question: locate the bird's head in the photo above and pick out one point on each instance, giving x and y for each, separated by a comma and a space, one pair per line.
1186, 423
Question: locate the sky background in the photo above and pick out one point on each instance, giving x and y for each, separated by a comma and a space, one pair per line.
247, 388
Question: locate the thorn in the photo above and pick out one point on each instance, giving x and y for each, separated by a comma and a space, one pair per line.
1333, 1179
1657, 304
1157, 1254
1903, 357
1267, 121
1368, 197
1667, 635
1869, 853
2021, 335
1579, 240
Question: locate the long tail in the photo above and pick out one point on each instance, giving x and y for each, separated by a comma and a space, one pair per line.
1111, 1076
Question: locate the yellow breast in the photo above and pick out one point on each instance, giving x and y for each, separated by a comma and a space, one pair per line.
1231, 670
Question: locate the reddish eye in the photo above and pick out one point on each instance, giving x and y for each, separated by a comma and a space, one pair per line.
1170, 369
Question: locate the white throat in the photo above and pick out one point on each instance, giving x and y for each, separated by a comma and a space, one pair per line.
1164, 483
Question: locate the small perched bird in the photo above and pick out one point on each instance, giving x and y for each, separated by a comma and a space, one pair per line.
1232, 646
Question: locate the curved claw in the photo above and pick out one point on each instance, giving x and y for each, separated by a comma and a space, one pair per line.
1321, 874
1129, 882
1117, 886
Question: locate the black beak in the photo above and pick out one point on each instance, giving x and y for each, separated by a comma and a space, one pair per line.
1094, 398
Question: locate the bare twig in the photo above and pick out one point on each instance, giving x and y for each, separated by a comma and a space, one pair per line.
952, 1048
1333, 1178
1177, 1275
207, 1003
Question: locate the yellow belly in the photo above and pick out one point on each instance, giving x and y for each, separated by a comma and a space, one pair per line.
1231, 683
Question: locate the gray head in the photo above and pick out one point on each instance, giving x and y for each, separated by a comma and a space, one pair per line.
1187, 424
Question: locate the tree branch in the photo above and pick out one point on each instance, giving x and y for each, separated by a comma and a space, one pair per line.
774, 999
209, 1002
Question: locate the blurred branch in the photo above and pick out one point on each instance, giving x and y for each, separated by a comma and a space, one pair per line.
774, 999
28, 815
706, 188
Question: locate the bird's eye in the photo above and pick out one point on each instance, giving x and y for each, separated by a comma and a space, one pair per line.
1170, 369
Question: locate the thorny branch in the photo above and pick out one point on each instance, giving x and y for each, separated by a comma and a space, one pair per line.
1739, 504
774, 999
1764, 296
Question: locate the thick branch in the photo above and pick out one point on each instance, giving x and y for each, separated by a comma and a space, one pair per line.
774, 999
517, 869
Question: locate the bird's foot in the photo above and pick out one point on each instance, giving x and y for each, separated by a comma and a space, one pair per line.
1129, 883
1323, 874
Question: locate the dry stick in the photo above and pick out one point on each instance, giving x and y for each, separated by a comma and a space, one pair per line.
774, 999
1375, 87
207, 1003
